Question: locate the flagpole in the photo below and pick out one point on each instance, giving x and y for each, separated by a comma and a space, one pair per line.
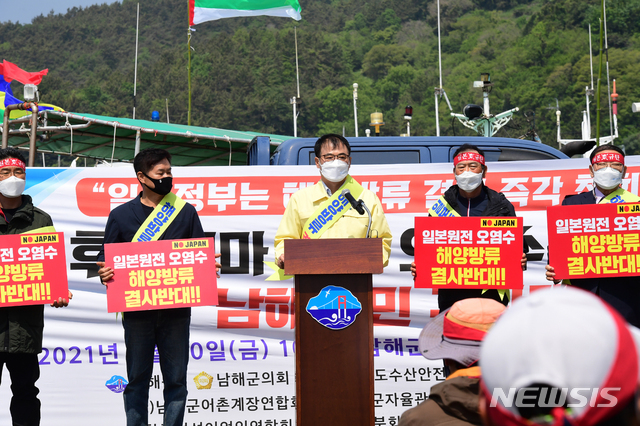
296, 100
189, 73
438, 92
295, 33
355, 106
135, 71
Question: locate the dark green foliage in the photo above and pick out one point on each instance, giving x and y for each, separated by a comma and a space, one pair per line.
243, 70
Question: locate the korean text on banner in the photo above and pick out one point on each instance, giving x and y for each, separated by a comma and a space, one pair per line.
469, 252
33, 269
161, 274
599, 241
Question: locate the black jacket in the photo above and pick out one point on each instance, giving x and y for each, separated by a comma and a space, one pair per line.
21, 327
495, 204
623, 293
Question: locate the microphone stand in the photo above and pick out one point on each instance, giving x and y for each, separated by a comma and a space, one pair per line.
359, 206
369, 213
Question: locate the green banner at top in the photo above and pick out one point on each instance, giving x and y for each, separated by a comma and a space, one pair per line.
210, 10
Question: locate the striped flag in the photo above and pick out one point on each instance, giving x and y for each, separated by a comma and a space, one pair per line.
210, 10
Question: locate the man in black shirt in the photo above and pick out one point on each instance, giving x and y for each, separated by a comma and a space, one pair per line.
470, 197
607, 169
21, 327
168, 329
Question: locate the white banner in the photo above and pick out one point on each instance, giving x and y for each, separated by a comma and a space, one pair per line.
241, 370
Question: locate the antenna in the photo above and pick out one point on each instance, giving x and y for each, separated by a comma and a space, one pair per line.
591, 56
296, 99
439, 90
355, 107
135, 71
606, 52
295, 34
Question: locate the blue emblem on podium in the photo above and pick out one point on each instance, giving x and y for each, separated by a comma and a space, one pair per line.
116, 384
334, 307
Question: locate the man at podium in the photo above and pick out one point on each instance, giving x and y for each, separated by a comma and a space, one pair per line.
324, 209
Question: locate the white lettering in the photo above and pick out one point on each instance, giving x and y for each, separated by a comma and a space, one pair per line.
575, 394
498, 393
605, 395
522, 395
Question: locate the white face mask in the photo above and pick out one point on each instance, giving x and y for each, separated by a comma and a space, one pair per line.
335, 171
12, 187
468, 181
607, 178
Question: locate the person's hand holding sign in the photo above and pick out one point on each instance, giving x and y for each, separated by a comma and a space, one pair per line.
62, 301
218, 265
105, 272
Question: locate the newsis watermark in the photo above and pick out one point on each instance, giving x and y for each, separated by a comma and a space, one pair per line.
544, 396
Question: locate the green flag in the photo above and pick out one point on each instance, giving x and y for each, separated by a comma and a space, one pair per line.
210, 10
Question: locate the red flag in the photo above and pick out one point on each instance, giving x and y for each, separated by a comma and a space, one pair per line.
13, 72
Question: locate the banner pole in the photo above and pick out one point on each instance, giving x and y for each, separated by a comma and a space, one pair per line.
189, 75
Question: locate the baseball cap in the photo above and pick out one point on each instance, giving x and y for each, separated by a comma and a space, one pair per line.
568, 340
457, 332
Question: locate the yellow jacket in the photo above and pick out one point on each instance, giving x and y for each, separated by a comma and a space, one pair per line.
351, 225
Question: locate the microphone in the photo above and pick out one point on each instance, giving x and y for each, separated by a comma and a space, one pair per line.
360, 207
355, 204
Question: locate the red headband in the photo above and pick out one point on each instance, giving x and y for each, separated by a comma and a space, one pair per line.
454, 330
12, 162
608, 157
468, 156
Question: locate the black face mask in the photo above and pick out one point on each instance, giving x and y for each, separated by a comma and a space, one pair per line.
162, 186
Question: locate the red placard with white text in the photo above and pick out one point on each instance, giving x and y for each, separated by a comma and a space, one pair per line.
601, 240
468, 252
33, 269
161, 274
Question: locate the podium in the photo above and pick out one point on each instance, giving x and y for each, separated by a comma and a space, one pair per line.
334, 368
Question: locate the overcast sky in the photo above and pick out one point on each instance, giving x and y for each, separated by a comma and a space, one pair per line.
25, 11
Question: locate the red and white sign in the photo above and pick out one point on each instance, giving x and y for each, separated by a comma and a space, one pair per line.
161, 274
600, 240
468, 252
528, 190
33, 269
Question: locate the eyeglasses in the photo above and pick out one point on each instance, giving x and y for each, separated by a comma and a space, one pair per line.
5, 173
331, 157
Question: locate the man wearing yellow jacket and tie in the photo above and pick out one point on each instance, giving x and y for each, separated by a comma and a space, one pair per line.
322, 211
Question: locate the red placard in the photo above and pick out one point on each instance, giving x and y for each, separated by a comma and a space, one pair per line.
468, 252
161, 274
33, 269
600, 240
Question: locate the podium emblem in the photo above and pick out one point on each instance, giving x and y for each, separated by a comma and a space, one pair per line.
116, 384
334, 307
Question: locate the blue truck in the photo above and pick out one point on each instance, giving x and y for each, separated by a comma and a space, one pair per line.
401, 150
